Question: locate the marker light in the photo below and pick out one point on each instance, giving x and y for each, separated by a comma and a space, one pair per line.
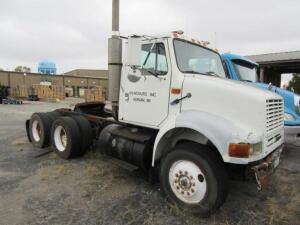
239, 150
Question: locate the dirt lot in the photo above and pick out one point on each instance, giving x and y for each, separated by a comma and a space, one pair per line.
93, 190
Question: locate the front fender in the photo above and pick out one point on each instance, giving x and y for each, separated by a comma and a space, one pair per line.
168, 125
219, 131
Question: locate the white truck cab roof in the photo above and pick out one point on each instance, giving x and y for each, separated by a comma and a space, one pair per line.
179, 35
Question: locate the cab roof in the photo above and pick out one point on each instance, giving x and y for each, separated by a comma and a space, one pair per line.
230, 56
180, 35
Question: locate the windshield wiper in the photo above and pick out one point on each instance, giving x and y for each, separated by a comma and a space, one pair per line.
191, 71
247, 80
211, 73
149, 71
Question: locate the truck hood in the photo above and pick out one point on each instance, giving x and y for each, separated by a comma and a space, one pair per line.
239, 102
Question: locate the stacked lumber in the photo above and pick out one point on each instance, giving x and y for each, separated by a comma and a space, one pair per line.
20, 91
23, 91
94, 94
51, 91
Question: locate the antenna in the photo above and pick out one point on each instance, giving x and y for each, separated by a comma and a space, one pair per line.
216, 44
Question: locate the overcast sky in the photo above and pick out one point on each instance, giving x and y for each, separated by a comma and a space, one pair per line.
73, 33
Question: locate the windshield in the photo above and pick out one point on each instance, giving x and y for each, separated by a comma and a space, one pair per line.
192, 58
245, 71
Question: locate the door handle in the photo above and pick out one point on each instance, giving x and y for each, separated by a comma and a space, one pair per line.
176, 101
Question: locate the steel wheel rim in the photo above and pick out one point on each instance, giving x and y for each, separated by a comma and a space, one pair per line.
187, 181
60, 138
36, 130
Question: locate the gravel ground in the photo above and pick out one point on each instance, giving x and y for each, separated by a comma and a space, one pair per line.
94, 190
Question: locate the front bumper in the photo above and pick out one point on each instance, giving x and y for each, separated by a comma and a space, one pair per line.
292, 135
265, 168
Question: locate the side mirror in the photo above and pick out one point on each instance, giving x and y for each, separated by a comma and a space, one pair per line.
134, 51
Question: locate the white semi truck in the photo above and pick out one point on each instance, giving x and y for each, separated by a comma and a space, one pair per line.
175, 116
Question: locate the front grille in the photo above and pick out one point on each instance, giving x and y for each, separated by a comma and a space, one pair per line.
275, 114
273, 139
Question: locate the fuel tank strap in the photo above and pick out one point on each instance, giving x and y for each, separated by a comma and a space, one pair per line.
135, 134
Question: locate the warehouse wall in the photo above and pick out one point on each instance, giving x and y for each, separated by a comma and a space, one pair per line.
14, 79
4, 78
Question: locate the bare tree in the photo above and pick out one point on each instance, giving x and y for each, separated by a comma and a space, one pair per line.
23, 69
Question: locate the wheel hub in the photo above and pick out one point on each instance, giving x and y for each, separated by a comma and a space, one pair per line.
36, 130
63, 137
185, 183
60, 138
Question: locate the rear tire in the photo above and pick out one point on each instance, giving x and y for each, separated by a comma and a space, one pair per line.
65, 136
86, 133
194, 178
40, 130
54, 115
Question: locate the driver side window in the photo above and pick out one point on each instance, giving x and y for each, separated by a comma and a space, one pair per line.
154, 59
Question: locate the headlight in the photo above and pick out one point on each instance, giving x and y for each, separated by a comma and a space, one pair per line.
257, 148
288, 117
297, 103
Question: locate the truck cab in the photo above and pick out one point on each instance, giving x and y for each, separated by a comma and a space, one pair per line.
176, 116
243, 69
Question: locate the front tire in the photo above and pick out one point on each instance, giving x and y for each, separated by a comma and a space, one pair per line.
194, 178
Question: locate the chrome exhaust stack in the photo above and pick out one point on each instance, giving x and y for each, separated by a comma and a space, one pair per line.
114, 60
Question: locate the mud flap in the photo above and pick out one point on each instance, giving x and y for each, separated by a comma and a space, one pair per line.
27, 130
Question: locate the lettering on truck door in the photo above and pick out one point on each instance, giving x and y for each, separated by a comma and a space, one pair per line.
144, 97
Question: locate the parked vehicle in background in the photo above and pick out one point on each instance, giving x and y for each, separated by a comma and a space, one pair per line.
243, 69
4, 93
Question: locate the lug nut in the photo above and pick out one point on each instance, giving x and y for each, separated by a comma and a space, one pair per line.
177, 187
182, 192
188, 193
180, 171
185, 172
192, 190
176, 175
194, 184
191, 177
175, 181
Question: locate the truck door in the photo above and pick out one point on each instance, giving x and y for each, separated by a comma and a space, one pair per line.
144, 92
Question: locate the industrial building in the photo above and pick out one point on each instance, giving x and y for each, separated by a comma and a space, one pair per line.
272, 65
15, 79
88, 73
